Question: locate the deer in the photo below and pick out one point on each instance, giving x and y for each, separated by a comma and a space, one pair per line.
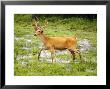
55, 43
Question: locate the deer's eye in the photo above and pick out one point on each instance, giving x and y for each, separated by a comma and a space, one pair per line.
41, 31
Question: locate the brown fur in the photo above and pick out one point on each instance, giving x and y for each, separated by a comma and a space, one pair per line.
57, 43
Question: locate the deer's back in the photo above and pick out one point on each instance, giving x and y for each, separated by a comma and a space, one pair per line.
61, 42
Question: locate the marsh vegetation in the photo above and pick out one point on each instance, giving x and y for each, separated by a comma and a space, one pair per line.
26, 46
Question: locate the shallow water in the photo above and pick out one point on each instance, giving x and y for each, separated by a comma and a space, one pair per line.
62, 60
45, 53
55, 60
24, 63
29, 35
62, 52
18, 38
84, 45
46, 56
29, 41
24, 57
25, 48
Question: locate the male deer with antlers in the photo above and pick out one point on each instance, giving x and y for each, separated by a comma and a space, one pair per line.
55, 43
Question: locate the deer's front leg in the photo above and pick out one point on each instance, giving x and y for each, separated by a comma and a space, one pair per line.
52, 54
39, 53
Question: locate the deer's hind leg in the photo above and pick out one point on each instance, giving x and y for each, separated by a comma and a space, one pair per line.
78, 51
73, 53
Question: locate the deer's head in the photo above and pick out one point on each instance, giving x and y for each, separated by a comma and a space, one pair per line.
37, 27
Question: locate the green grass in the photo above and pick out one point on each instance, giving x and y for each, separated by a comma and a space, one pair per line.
83, 28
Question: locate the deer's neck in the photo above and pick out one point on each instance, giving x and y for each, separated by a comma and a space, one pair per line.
43, 38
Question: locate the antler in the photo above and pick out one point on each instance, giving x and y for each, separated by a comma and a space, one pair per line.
36, 19
35, 22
